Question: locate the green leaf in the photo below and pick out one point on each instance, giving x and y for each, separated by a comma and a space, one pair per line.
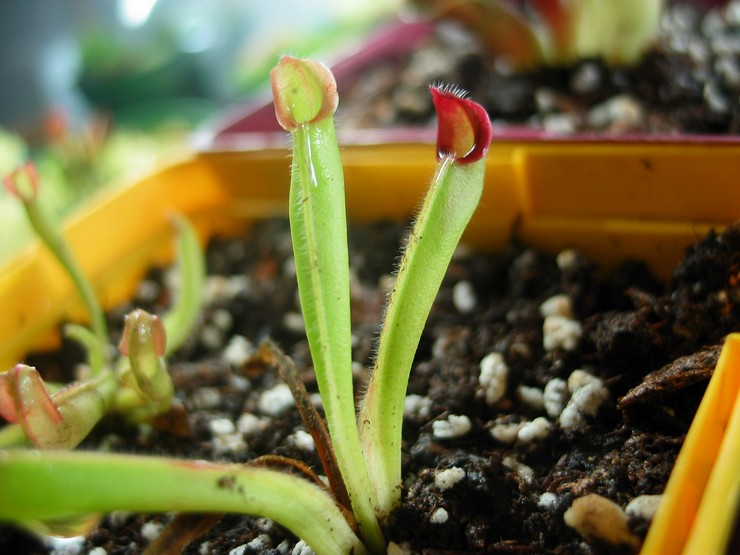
46, 487
450, 202
305, 98
181, 318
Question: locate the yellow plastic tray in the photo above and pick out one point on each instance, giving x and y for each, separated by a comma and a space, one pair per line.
610, 201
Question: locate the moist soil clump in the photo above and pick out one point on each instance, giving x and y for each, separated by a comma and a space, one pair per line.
539, 380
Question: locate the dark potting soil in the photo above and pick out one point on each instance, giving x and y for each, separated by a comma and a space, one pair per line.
688, 82
538, 380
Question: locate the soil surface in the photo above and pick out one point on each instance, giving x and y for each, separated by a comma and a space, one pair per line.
688, 82
538, 381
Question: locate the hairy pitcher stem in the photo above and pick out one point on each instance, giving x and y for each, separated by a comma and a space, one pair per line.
463, 138
305, 100
452, 200
322, 268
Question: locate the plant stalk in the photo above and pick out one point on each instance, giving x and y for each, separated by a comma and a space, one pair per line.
57, 244
58, 485
181, 318
450, 202
319, 233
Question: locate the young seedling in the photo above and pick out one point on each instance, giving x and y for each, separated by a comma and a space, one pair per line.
305, 98
24, 184
463, 137
555, 32
347, 517
136, 384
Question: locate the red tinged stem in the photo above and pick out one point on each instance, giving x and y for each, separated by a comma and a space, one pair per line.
23, 182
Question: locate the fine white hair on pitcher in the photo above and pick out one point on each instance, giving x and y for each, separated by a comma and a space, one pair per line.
449, 88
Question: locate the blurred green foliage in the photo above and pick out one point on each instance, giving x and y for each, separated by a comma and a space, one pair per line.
76, 166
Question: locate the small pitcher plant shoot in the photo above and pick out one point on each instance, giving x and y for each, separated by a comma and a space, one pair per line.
23, 183
135, 384
463, 138
305, 100
360, 451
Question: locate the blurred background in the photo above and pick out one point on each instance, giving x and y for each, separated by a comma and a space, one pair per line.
98, 92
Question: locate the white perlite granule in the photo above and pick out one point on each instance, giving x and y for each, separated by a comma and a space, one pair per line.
66, 546
301, 548
559, 123
228, 443
522, 470
570, 417
566, 260
555, 396
557, 305
559, 332
505, 432
445, 479
222, 319
533, 397
221, 426
463, 297
589, 398
248, 423
118, 518
493, 377
289, 267
274, 401
206, 398
547, 501
439, 516
211, 337
587, 78
416, 407
623, 108
588, 393
238, 351
293, 321
239, 383
396, 549
226, 439
359, 370
538, 429
455, 426
302, 440
220, 289
643, 506
259, 543
151, 530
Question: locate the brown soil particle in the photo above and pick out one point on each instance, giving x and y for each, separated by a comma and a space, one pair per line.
674, 376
